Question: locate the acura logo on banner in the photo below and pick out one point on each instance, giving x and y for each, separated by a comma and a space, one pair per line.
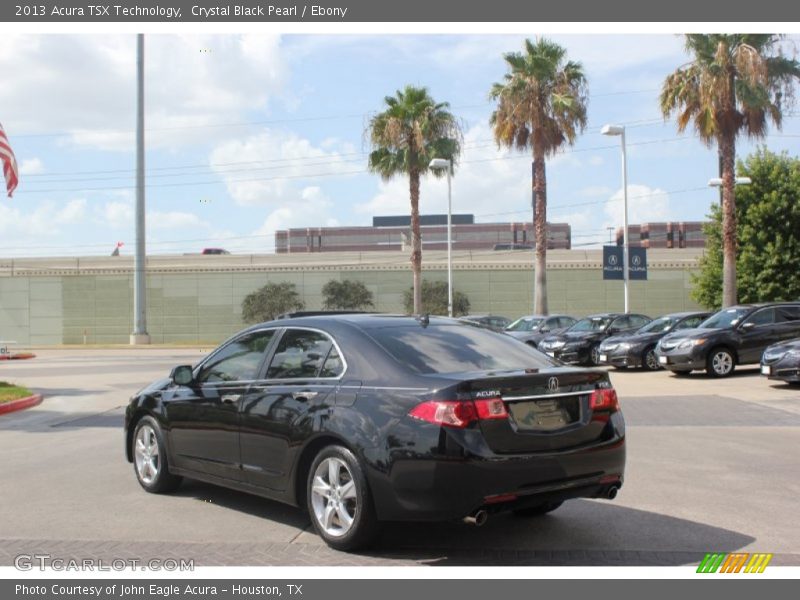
612, 263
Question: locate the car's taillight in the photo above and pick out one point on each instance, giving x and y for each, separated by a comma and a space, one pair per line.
604, 399
459, 413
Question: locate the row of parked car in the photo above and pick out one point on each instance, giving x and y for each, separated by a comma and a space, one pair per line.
682, 342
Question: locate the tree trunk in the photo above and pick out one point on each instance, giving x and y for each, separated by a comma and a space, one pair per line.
727, 150
540, 230
416, 241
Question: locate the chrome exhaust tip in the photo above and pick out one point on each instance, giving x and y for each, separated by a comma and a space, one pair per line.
612, 492
478, 519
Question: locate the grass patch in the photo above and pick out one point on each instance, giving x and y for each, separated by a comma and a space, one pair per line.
9, 392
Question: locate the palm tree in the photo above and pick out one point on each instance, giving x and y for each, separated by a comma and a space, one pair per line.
735, 83
411, 131
541, 105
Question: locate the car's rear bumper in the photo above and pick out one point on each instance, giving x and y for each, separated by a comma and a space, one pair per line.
445, 488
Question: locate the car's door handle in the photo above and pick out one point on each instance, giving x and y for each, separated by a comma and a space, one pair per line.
304, 396
231, 398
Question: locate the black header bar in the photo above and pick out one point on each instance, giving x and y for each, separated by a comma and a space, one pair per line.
440, 11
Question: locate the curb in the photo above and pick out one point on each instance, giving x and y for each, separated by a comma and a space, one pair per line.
20, 404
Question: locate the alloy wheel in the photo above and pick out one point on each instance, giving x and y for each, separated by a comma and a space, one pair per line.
651, 360
594, 355
333, 497
722, 362
146, 454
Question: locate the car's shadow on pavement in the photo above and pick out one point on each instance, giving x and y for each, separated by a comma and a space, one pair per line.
582, 532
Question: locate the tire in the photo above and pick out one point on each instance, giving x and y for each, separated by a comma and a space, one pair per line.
538, 510
594, 355
150, 462
532, 345
347, 504
650, 360
720, 362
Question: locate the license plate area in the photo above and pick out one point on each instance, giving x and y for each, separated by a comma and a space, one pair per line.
547, 414
766, 370
663, 360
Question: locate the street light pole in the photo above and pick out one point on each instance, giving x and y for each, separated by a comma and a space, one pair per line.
442, 163
139, 335
619, 130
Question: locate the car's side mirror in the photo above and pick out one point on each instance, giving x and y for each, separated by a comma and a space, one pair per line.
747, 326
544, 329
182, 375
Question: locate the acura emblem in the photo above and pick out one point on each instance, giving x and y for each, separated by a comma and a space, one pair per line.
552, 384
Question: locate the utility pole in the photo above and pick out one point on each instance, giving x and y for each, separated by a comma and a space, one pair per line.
139, 335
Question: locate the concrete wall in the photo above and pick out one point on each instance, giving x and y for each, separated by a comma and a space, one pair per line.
201, 302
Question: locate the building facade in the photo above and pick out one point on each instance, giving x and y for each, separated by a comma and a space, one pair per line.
671, 234
394, 233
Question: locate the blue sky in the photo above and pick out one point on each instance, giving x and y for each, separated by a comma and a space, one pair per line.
249, 134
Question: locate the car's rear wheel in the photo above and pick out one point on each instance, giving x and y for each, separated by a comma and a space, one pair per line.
150, 458
538, 510
594, 355
339, 500
650, 360
720, 362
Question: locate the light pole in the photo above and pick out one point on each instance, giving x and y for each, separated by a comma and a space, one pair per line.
620, 131
443, 163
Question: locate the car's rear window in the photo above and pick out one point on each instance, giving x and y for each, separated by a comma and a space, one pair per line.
456, 349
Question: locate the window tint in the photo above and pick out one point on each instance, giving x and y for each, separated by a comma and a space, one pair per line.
239, 360
552, 323
567, 321
334, 366
299, 354
456, 349
762, 317
591, 324
689, 323
638, 320
621, 323
788, 313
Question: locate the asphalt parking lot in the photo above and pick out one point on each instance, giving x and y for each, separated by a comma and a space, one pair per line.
712, 466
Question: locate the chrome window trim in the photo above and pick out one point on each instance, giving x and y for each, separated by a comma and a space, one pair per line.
286, 328
545, 396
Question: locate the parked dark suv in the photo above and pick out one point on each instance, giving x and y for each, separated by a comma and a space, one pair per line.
580, 344
733, 336
534, 328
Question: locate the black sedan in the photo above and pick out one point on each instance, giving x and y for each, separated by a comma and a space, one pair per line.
534, 328
370, 418
782, 361
580, 344
638, 349
733, 336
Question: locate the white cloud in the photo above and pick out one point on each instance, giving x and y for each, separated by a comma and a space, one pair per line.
86, 85
174, 220
44, 221
31, 166
645, 204
278, 167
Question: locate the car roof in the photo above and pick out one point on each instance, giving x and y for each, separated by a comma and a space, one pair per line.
687, 313
360, 320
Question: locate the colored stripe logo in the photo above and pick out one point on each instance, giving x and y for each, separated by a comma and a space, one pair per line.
735, 562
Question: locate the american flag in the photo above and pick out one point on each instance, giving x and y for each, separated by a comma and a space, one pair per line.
9, 163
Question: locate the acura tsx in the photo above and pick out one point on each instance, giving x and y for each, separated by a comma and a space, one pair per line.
367, 418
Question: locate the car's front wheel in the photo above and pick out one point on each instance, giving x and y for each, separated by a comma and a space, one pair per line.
594, 355
650, 360
339, 500
150, 458
720, 362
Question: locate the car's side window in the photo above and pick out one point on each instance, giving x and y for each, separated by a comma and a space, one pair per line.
300, 354
334, 366
239, 360
789, 314
689, 323
621, 323
765, 316
638, 321
567, 322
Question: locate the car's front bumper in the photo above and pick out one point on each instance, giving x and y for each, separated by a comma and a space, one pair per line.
681, 360
786, 368
629, 357
569, 355
446, 488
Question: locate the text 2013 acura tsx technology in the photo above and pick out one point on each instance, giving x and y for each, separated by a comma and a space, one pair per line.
370, 418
